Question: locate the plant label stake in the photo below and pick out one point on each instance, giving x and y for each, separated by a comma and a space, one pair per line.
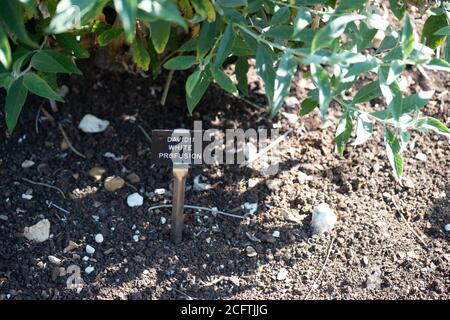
176, 147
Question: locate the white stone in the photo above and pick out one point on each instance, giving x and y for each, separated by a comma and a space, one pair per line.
92, 124
447, 227
421, 156
290, 117
163, 220
99, 238
303, 177
273, 184
27, 164
90, 249
27, 196
201, 183
276, 234
136, 238
38, 232
89, 269
160, 191
85, 258
250, 207
54, 260
282, 274
291, 102
250, 151
135, 200
323, 219
252, 182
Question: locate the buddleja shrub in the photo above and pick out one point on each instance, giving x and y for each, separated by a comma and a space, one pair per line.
39, 39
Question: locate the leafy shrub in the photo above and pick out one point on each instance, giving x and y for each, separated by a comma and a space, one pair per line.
39, 39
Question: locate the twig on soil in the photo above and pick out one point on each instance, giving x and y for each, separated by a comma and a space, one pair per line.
144, 133
48, 115
60, 127
36, 122
184, 294
321, 270
267, 149
44, 185
167, 87
399, 210
198, 208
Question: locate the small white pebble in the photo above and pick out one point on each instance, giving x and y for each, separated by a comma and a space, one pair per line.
323, 219
208, 240
136, 238
163, 220
90, 249
27, 196
160, 191
276, 234
135, 200
447, 227
85, 258
421, 156
99, 238
27, 164
89, 269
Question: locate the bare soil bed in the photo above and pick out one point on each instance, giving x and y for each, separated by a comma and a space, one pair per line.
374, 255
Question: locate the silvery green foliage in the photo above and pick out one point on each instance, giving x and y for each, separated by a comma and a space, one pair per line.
333, 38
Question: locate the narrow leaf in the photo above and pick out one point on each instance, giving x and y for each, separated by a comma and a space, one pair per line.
38, 86
285, 71
241, 75
15, 99
322, 82
180, 63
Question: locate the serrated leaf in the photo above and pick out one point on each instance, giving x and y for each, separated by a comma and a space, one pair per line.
367, 92
264, 68
307, 106
127, 10
141, 56
285, 71
432, 124
393, 153
70, 44
197, 91
364, 130
241, 75
301, 21
11, 15
398, 7
430, 28
38, 86
180, 63
322, 82
5, 49
343, 133
160, 33
225, 46
109, 35
53, 61
15, 99
223, 81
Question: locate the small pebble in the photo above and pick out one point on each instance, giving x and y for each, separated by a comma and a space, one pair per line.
136, 238
291, 102
135, 200
90, 249
54, 260
27, 196
250, 251
160, 191
99, 238
163, 220
282, 274
85, 258
92, 124
113, 183
323, 219
421, 156
276, 234
89, 269
447, 227
27, 164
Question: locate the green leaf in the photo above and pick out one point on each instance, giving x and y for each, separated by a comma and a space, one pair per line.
364, 130
362, 67
153, 10
281, 16
332, 30
206, 38
223, 80
343, 133
197, 91
350, 5
367, 92
445, 31
432, 124
38, 86
5, 79
307, 106
232, 3
15, 99
407, 38
11, 15
70, 44
20, 59
180, 63
301, 21
141, 57
127, 10
241, 48
160, 33
241, 75
416, 101
438, 65
395, 70
322, 82
5, 49
225, 46
285, 71
109, 35
264, 68
53, 61
192, 81
398, 7
430, 28
447, 50
205, 9
393, 153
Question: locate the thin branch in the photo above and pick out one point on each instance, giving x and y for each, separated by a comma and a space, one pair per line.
144, 133
198, 208
44, 185
60, 127
321, 270
167, 87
